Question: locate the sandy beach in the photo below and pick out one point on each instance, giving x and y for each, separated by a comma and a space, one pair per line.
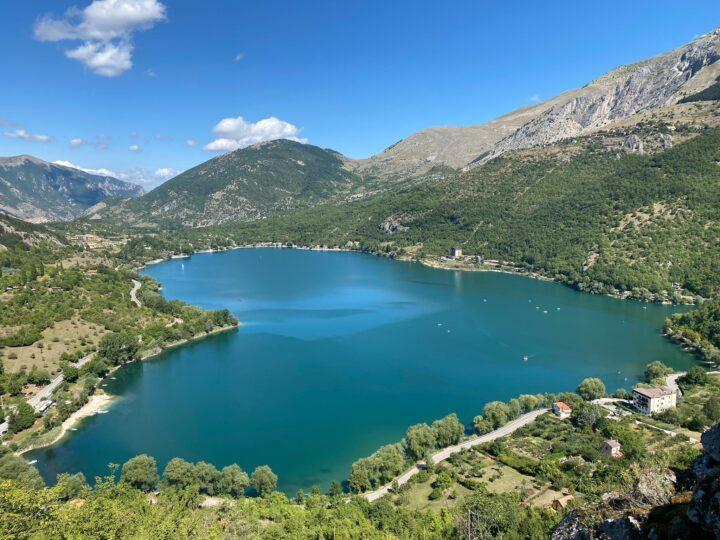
97, 402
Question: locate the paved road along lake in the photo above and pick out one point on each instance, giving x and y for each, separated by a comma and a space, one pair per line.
341, 352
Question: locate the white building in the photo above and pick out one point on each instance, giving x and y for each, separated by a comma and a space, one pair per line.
654, 400
611, 448
456, 252
562, 409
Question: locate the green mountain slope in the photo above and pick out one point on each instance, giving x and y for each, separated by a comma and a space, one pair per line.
15, 233
711, 93
606, 220
35, 190
249, 183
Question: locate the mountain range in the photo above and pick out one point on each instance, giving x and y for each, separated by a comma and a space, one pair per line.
35, 190
269, 178
274, 177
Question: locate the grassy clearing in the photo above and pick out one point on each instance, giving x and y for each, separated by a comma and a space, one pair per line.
68, 336
470, 471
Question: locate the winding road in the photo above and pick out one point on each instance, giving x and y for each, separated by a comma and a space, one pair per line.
133, 292
44, 395
445, 453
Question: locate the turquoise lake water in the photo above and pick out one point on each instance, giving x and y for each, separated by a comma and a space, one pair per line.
341, 352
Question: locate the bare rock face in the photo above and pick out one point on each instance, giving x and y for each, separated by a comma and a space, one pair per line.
655, 488
392, 225
633, 143
617, 95
711, 443
704, 509
628, 528
572, 528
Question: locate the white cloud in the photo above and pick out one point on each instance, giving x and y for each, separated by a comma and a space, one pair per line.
76, 143
106, 28
191, 142
22, 134
134, 148
104, 59
535, 98
234, 133
166, 173
138, 175
99, 172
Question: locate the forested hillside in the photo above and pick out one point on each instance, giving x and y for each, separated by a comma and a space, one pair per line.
67, 311
608, 221
243, 185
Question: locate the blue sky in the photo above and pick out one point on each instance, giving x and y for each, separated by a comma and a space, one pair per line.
132, 81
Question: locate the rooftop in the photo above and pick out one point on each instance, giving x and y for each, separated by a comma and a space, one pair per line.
654, 392
562, 406
612, 443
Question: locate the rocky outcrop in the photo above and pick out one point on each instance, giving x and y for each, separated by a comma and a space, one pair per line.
653, 509
655, 488
633, 143
572, 527
392, 225
704, 508
619, 94
615, 96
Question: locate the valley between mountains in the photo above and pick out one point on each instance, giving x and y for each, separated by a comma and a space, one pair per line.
611, 189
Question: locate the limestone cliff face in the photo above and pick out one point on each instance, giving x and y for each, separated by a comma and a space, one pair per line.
615, 96
619, 94
451, 146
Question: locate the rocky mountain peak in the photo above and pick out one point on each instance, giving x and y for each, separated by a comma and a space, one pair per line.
614, 96
618, 94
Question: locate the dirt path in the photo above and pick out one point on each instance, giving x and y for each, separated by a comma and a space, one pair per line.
133, 292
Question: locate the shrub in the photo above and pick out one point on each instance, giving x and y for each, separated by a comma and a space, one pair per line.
591, 388
140, 472
263, 480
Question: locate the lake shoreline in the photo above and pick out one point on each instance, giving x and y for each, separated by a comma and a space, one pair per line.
159, 350
96, 402
100, 401
439, 264
300, 290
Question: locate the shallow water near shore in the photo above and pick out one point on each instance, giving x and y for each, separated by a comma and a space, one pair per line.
341, 352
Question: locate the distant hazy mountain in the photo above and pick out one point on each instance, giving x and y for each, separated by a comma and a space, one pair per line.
244, 185
37, 191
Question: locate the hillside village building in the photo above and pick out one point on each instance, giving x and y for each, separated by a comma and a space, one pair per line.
456, 252
611, 448
562, 409
654, 400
